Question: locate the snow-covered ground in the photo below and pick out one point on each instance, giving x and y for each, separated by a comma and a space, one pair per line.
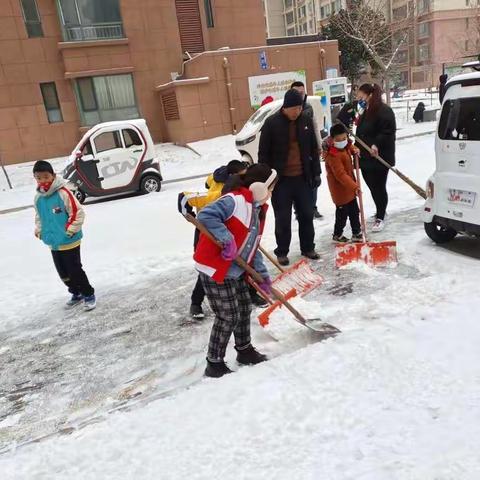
117, 393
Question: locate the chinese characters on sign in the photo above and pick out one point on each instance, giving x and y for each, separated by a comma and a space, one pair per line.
274, 85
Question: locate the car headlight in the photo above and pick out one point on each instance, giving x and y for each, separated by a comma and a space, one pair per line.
240, 143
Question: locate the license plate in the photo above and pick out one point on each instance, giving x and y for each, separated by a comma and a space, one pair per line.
462, 197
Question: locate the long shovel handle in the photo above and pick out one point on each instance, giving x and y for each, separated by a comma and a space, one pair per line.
420, 191
272, 259
360, 198
253, 273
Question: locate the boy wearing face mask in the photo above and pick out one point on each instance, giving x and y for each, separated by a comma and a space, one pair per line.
342, 184
58, 223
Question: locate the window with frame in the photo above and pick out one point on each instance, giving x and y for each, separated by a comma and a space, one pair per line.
289, 18
108, 141
288, 3
209, 13
423, 30
291, 32
51, 103
423, 52
31, 17
84, 20
106, 98
131, 138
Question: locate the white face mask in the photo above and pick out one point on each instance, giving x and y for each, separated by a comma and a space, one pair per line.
340, 145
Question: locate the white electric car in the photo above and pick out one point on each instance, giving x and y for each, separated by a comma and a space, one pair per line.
114, 158
248, 138
453, 203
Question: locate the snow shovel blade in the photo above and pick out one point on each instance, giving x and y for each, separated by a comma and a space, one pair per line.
373, 254
300, 277
314, 324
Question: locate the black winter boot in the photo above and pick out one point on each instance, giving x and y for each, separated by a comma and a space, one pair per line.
250, 356
216, 369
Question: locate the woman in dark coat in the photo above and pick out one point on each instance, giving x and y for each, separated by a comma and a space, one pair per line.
418, 113
376, 126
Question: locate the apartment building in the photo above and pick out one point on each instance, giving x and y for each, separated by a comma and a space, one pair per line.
300, 17
441, 34
68, 64
275, 18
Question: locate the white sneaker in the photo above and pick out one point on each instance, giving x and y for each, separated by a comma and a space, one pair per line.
378, 226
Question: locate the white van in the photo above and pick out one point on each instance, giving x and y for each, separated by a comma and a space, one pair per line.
114, 158
453, 191
247, 140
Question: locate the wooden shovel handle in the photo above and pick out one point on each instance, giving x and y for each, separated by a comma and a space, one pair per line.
420, 191
272, 259
253, 273
360, 198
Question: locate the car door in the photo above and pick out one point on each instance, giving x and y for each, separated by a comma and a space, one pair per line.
86, 164
114, 165
135, 145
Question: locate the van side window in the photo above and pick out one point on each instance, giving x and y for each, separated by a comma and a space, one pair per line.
131, 137
460, 120
108, 141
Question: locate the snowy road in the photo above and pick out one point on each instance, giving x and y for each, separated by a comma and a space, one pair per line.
384, 400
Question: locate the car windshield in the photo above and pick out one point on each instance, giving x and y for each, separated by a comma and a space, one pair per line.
260, 115
460, 119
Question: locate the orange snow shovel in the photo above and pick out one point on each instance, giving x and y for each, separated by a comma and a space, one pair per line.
374, 254
278, 300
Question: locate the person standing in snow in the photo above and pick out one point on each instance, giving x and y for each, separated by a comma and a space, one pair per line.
418, 113
289, 145
308, 110
236, 220
343, 184
58, 223
376, 126
187, 201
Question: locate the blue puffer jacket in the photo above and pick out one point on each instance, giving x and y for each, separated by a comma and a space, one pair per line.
59, 217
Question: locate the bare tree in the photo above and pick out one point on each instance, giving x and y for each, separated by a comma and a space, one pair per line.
364, 21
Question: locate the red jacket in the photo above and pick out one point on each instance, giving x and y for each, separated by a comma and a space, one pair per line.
207, 255
340, 176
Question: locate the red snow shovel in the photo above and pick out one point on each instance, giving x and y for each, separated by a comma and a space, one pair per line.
314, 324
374, 254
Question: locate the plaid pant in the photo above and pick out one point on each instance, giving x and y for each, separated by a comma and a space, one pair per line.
231, 303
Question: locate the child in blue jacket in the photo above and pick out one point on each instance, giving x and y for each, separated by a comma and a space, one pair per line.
58, 223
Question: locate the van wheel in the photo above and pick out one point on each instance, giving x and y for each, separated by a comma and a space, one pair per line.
247, 158
150, 184
438, 233
80, 196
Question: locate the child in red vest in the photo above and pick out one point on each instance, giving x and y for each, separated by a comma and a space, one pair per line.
236, 220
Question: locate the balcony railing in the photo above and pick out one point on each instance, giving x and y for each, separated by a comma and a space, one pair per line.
104, 31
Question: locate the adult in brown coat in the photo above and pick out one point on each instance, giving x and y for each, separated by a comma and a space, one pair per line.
342, 184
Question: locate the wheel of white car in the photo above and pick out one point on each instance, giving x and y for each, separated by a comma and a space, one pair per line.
150, 184
247, 158
438, 233
80, 196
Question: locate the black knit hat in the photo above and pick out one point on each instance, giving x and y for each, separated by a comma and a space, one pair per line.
293, 98
43, 166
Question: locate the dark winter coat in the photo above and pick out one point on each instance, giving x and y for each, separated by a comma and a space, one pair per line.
418, 113
274, 142
380, 130
347, 114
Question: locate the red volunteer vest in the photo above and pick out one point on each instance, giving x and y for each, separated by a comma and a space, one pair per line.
207, 255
